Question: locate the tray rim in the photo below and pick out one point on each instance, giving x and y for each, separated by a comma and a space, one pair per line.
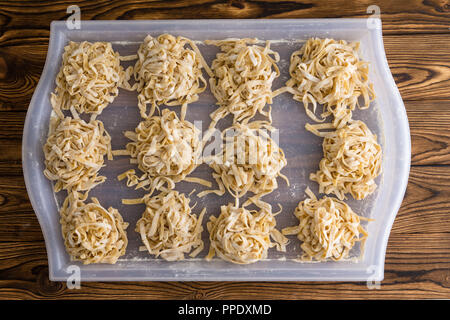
56, 30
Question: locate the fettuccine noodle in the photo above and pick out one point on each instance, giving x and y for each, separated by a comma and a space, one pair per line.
250, 160
89, 77
242, 81
168, 73
243, 236
166, 150
168, 228
91, 233
328, 228
351, 162
331, 73
74, 153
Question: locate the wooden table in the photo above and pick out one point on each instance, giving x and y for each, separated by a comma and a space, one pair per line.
417, 43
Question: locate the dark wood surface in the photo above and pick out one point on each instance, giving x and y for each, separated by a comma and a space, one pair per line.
417, 43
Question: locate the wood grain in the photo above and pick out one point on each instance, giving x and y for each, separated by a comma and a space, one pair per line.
417, 43
425, 206
24, 274
30, 23
11, 139
423, 71
20, 70
430, 131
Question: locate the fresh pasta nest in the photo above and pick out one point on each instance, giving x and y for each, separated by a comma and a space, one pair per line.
165, 148
331, 73
243, 236
351, 162
89, 77
242, 81
250, 160
328, 228
168, 228
91, 233
167, 72
74, 153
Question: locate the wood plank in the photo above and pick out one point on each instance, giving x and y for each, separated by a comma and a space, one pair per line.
12, 125
30, 23
10, 158
420, 65
10, 168
421, 270
430, 132
13, 196
18, 221
20, 70
11, 130
427, 202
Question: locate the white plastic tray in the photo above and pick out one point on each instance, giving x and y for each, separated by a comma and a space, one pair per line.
386, 117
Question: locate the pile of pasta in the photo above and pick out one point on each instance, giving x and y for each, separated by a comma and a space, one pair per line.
242, 79
91, 233
89, 77
330, 73
328, 228
167, 226
74, 152
166, 150
249, 160
351, 162
243, 236
167, 72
